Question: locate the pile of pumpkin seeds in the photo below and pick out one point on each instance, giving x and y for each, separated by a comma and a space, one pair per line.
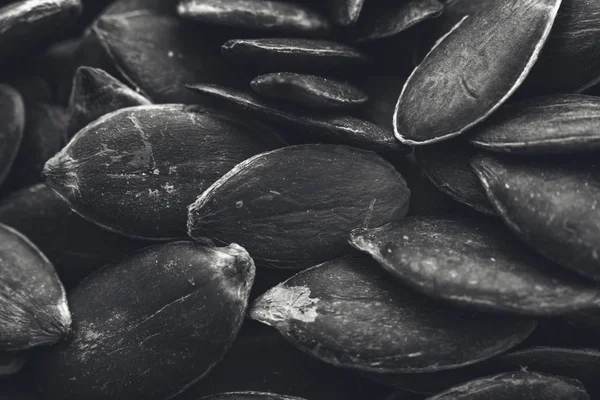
299, 200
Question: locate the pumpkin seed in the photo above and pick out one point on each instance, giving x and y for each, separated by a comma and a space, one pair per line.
249, 396
96, 93
134, 171
289, 54
264, 15
473, 70
275, 200
12, 115
127, 315
339, 129
33, 304
550, 205
309, 90
474, 263
346, 12
514, 385
562, 123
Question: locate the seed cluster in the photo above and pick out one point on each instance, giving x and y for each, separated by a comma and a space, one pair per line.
299, 200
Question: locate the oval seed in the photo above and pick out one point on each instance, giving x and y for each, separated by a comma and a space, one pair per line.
151, 325
563, 123
473, 70
348, 312
271, 202
263, 15
136, 170
475, 263
12, 115
552, 206
309, 90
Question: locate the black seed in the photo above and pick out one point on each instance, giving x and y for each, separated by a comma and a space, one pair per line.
12, 115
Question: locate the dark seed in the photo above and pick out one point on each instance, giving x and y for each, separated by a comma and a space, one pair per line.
12, 115
293, 54
348, 313
12, 362
33, 305
447, 167
74, 246
556, 124
275, 200
517, 385
309, 90
339, 129
263, 15
96, 93
473, 70
552, 206
474, 263
149, 326
385, 18
136, 170
249, 396
346, 12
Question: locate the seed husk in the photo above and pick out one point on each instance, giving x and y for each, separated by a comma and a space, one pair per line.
31, 24
275, 200
517, 385
75, 246
349, 313
446, 165
12, 115
151, 325
309, 90
12, 362
262, 15
33, 304
249, 396
95, 93
551, 205
458, 84
558, 124
330, 128
346, 12
293, 54
384, 18
475, 263
135, 171
179, 54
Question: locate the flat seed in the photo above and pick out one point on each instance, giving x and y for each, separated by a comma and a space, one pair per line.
346, 12
517, 385
151, 325
330, 128
262, 15
33, 304
135, 171
30, 24
473, 70
159, 54
75, 246
474, 263
285, 54
249, 396
558, 124
552, 206
96, 93
275, 200
309, 90
12, 362
12, 115
348, 313
447, 167
384, 18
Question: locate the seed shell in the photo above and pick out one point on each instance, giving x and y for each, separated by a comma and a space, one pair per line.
558, 124
95, 93
151, 325
346, 12
551, 205
275, 200
309, 90
331, 128
12, 115
347, 312
135, 171
513, 385
475, 263
33, 304
249, 396
473, 70
263, 15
